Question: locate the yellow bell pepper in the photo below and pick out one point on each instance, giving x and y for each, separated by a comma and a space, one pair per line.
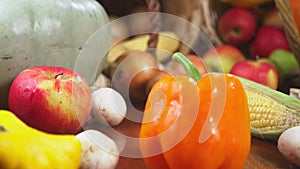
246, 3
24, 147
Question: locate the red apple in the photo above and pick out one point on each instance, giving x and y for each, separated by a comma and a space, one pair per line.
51, 99
221, 58
267, 39
260, 72
236, 26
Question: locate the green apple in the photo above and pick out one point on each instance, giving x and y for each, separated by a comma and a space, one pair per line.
284, 61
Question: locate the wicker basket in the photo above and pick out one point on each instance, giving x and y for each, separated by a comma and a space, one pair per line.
290, 27
205, 14
202, 13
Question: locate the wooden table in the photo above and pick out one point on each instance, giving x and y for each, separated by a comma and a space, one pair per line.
263, 155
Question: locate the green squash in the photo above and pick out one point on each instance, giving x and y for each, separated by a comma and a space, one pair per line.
44, 32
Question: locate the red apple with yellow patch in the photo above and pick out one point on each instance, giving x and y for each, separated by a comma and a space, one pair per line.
258, 71
51, 99
221, 58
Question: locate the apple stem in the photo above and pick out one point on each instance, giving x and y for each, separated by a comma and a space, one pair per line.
236, 30
256, 57
59, 74
188, 66
2, 129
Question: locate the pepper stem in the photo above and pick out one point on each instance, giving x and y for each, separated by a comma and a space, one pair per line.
188, 66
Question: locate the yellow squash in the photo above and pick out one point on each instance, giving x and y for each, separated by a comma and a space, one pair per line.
246, 3
23, 147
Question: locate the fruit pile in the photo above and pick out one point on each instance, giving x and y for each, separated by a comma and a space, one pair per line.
255, 30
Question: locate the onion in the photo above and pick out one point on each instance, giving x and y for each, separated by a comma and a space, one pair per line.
134, 76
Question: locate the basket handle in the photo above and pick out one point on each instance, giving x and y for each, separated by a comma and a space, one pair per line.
154, 6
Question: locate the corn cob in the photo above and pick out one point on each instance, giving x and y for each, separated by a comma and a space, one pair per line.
271, 111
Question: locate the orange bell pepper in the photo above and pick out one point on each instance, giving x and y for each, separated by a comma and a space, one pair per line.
196, 125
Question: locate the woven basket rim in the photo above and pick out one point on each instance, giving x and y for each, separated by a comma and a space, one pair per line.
289, 25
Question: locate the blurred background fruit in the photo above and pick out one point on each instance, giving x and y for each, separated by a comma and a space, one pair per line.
221, 58
267, 39
260, 72
272, 18
236, 26
285, 62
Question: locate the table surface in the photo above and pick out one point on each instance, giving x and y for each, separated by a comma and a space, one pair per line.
263, 154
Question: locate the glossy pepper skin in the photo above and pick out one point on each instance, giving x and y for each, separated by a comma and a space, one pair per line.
23, 147
209, 121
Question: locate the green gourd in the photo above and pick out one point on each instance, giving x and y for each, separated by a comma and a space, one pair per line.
44, 32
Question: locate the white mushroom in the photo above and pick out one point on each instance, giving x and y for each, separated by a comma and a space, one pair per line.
294, 92
289, 144
98, 150
108, 106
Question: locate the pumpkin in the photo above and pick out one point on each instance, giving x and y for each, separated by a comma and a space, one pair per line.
44, 32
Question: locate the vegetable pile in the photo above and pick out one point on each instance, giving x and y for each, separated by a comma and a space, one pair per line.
188, 107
